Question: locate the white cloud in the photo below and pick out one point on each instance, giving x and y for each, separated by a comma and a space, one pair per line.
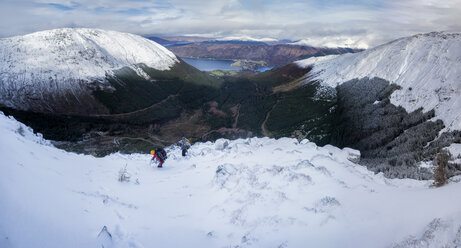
354, 23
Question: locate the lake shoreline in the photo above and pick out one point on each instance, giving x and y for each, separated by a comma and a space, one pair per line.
210, 64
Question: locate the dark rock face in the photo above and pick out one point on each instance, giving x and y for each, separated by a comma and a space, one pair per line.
390, 139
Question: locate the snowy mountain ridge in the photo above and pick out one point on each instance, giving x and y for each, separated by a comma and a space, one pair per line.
427, 67
327, 42
69, 59
246, 38
78, 53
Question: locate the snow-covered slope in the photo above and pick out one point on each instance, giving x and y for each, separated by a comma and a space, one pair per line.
67, 60
426, 66
246, 193
247, 38
340, 42
78, 53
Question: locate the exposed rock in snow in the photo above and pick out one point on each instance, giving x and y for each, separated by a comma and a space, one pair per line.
221, 144
105, 238
352, 154
427, 67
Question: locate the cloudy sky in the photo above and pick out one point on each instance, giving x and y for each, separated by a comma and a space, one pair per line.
352, 23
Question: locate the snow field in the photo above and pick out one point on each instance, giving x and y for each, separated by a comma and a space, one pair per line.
256, 192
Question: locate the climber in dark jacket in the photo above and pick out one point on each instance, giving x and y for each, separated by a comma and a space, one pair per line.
159, 154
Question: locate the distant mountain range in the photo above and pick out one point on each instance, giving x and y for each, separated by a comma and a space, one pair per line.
273, 53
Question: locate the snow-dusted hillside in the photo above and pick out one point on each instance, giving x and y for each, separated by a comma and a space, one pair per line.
66, 60
426, 66
245, 193
247, 38
339, 42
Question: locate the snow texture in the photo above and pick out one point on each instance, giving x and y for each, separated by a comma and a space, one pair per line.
256, 192
64, 59
426, 66
455, 150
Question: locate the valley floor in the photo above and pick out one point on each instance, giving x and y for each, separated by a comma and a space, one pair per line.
256, 192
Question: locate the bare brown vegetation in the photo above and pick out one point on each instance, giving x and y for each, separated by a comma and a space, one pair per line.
441, 164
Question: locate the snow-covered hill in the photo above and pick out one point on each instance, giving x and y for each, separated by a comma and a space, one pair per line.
340, 42
256, 192
426, 66
66, 61
247, 38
